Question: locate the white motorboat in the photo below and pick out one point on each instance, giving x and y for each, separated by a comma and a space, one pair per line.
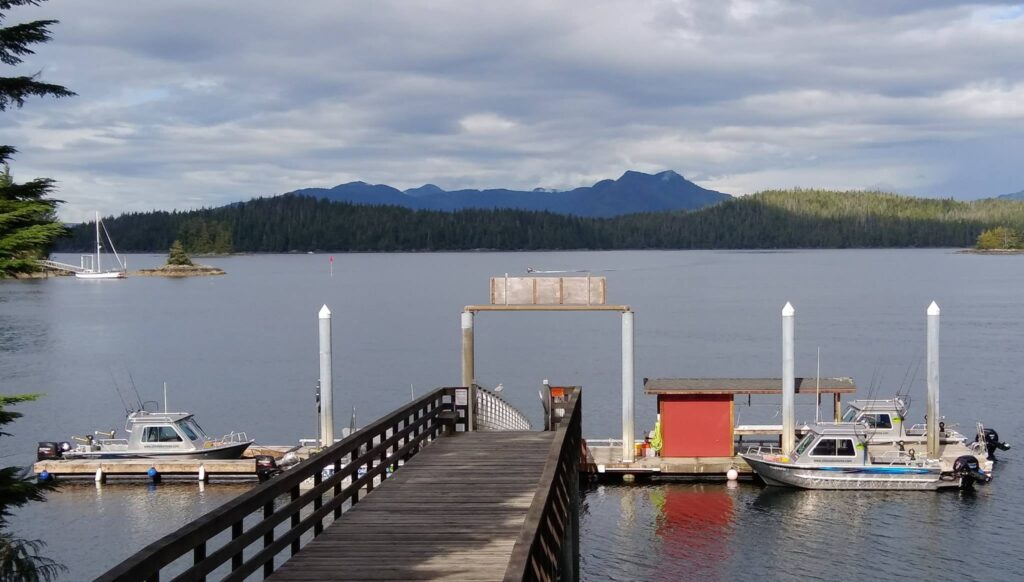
173, 435
840, 456
886, 425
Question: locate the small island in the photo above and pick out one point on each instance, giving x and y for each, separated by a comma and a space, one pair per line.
1001, 240
179, 265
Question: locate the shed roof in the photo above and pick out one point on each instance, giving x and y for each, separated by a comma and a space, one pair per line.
745, 385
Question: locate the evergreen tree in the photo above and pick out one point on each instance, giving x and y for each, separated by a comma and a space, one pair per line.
19, 559
177, 255
28, 220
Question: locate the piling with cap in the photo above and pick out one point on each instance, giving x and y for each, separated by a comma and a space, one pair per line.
933, 381
468, 363
627, 387
326, 375
788, 378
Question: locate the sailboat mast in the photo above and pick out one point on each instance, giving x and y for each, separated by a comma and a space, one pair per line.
98, 269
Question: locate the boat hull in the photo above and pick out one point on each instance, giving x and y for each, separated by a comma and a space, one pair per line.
106, 275
232, 451
868, 477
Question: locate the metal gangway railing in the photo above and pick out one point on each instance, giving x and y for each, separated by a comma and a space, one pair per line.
46, 263
494, 413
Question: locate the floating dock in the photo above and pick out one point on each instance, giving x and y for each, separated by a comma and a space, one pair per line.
139, 468
699, 434
171, 469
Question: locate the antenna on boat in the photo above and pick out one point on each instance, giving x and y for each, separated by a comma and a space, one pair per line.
817, 391
165, 397
118, 390
137, 397
412, 393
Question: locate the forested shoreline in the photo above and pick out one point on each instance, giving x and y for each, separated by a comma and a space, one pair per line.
771, 219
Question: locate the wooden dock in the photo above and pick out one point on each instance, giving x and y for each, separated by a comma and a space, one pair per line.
139, 468
453, 512
416, 495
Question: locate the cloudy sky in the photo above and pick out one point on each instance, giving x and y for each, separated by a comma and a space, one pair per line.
200, 102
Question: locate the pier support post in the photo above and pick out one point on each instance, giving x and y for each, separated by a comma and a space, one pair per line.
788, 379
468, 362
326, 375
628, 433
933, 381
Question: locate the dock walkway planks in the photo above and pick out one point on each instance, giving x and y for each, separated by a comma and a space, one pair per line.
453, 512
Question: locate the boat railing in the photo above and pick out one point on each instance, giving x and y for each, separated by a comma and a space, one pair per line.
764, 450
921, 429
233, 438
908, 457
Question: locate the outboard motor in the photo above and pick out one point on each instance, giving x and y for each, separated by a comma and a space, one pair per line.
48, 451
966, 467
266, 467
992, 443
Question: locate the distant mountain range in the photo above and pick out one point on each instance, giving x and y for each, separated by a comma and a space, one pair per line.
632, 193
1014, 196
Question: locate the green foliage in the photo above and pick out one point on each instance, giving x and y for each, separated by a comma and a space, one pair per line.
177, 255
28, 220
19, 559
773, 219
999, 237
28, 223
205, 237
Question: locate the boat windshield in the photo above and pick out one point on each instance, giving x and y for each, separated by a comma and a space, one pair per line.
804, 443
191, 434
850, 414
192, 424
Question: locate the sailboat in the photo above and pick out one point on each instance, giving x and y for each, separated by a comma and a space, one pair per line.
94, 270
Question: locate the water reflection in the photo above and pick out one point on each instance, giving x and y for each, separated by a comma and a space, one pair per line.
694, 524
90, 514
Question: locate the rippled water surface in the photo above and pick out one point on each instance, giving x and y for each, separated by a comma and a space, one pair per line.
240, 351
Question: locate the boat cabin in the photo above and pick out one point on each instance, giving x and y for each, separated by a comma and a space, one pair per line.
830, 444
156, 431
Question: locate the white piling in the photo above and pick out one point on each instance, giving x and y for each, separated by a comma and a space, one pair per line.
99, 475
326, 375
788, 378
468, 363
627, 387
933, 381
202, 473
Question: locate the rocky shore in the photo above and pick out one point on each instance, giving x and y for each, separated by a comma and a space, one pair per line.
180, 271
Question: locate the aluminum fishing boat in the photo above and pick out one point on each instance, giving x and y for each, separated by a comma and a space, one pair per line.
840, 456
886, 423
173, 435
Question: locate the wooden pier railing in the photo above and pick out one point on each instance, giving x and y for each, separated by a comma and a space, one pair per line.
249, 532
548, 547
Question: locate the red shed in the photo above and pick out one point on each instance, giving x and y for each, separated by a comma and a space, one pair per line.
697, 413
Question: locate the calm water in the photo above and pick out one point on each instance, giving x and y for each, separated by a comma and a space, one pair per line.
240, 351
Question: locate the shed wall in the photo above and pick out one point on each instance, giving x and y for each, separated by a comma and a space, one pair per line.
698, 425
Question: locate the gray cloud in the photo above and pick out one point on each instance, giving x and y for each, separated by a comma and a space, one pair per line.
197, 103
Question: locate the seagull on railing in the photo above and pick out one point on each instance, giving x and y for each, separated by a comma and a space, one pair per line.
499, 387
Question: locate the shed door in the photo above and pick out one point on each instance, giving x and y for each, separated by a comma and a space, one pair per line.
697, 426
